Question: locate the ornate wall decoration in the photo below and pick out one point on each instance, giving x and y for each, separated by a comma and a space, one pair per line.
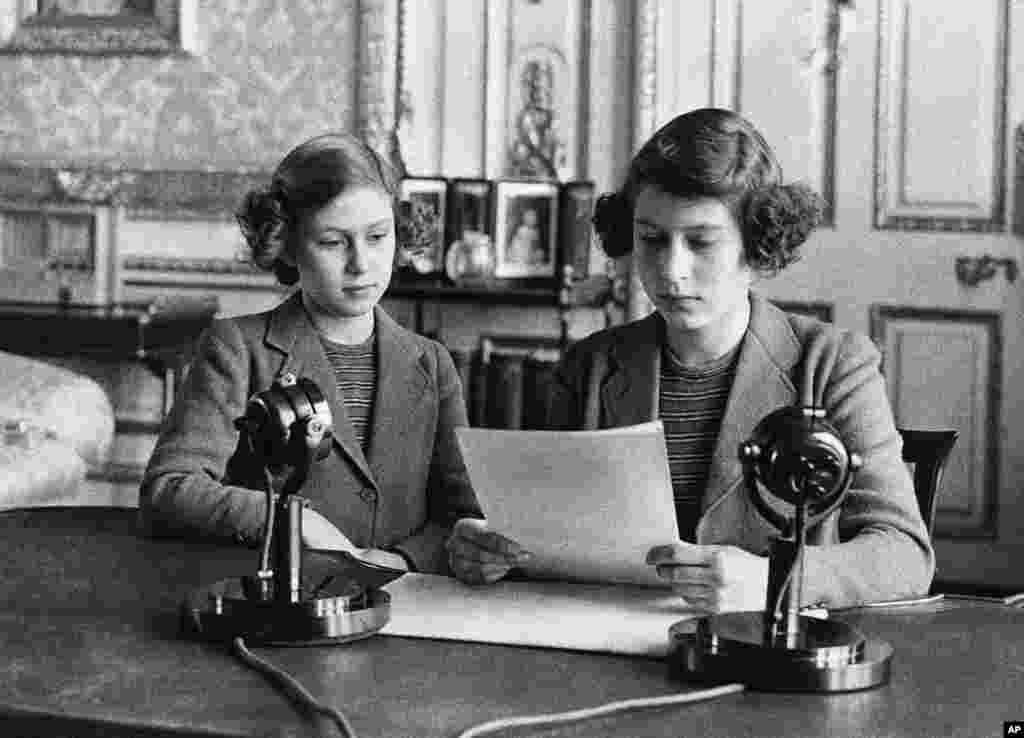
646, 84
272, 73
379, 83
537, 148
972, 145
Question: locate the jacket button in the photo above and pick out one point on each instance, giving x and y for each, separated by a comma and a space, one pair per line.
368, 494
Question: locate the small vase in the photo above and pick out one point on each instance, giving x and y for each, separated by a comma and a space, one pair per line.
470, 259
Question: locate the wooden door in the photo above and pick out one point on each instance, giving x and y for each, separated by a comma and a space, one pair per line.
903, 114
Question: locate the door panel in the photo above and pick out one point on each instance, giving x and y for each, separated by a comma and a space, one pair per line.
899, 112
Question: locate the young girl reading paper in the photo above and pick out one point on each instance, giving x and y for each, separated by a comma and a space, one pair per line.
704, 213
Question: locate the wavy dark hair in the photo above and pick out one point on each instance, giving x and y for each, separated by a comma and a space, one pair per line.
310, 176
712, 152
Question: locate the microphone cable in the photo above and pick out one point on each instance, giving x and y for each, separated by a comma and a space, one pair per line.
292, 687
586, 713
299, 694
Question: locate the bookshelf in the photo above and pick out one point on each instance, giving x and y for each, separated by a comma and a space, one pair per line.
593, 292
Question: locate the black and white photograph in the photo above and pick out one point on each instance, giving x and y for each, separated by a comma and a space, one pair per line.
428, 197
526, 225
493, 368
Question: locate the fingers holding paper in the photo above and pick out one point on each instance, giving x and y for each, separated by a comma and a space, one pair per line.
713, 579
478, 555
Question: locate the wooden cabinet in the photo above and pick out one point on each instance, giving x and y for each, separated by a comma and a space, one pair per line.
136, 351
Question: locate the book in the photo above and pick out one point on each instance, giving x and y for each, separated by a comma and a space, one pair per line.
538, 378
505, 391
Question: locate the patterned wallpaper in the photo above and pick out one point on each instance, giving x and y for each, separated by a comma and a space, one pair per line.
269, 74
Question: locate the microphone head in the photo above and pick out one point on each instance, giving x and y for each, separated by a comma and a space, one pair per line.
276, 419
799, 457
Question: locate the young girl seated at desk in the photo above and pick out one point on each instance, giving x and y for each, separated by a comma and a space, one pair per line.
394, 481
704, 213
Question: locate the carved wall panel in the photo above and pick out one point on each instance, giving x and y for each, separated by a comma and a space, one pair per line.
785, 81
942, 370
941, 156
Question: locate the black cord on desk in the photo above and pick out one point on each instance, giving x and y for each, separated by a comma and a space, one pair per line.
292, 687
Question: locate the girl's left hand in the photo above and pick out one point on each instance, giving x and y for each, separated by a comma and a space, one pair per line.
713, 579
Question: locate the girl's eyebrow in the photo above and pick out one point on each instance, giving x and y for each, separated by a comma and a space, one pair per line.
698, 228
383, 222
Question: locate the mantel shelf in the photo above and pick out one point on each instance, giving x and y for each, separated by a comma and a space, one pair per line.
592, 292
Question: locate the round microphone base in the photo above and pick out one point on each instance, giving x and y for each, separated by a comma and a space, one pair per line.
339, 612
828, 656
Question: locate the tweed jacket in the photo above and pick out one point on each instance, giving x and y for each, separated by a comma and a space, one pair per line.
405, 492
876, 546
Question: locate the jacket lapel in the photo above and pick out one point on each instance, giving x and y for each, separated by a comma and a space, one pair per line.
762, 384
402, 383
291, 331
630, 394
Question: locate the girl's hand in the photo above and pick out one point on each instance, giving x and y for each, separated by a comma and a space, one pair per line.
478, 555
713, 579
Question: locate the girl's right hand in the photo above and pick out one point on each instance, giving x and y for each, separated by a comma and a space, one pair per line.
478, 555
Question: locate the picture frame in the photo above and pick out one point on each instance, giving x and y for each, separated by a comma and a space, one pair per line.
470, 208
154, 27
431, 194
576, 226
525, 229
469, 235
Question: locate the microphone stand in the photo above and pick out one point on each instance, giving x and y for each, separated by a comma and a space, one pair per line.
290, 425
800, 458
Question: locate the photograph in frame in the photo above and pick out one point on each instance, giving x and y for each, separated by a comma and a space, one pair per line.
525, 229
576, 226
469, 237
469, 208
428, 197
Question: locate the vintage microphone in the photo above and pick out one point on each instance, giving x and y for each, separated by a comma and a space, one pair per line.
799, 457
289, 427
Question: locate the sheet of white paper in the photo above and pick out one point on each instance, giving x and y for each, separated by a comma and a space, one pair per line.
621, 619
587, 504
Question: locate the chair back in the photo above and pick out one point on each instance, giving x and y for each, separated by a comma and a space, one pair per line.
928, 451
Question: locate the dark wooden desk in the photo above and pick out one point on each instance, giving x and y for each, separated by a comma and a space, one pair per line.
89, 647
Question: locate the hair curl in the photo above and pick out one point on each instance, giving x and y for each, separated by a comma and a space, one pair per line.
711, 152
308, 177
266, 226
778, 221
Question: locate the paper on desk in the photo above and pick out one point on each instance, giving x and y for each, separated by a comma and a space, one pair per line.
587, 504
608, 618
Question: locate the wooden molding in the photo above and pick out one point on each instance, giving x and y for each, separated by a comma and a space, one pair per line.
977, 517
893, 209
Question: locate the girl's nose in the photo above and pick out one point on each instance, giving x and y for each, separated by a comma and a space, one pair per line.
678, 264
357, 258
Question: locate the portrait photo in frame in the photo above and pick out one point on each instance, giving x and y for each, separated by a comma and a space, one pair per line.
429, 199
525, 229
